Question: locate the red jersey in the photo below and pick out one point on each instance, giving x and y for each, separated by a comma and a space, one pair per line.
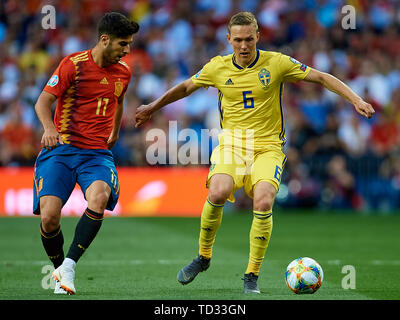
87, 99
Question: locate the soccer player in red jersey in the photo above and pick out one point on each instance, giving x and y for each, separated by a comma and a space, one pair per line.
90, 88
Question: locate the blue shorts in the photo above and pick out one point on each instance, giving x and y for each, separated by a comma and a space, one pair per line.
58, 170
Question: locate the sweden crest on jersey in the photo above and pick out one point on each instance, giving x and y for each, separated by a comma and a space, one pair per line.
265, 77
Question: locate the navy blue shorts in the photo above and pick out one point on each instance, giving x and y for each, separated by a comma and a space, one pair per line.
58, 170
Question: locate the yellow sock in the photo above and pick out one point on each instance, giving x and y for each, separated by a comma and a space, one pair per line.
211, 218
260, 233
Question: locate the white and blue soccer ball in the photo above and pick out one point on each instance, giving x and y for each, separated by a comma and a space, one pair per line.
304, 275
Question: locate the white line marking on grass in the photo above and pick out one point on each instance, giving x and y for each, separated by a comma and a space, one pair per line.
385, 262
97, 262
370, 262
182, 261
334, 262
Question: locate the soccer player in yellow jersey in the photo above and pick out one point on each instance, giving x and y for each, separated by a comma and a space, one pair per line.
250, 86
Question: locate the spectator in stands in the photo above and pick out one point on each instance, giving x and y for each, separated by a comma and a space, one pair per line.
180, 36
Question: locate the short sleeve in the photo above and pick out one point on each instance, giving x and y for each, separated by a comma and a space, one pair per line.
205, 77
127, 78
62, 78
292, 70
121, 96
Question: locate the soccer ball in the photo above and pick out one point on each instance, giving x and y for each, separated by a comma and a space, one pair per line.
304, 275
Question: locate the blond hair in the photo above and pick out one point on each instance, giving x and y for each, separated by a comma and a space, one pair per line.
243, 19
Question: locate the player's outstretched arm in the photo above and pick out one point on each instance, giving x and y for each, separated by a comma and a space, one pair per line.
43, 110
335, 85
181, 90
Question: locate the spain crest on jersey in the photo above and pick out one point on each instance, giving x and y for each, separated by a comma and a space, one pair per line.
119, 87
265, 77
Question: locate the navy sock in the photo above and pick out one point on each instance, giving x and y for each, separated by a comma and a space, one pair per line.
85, 231
53, 245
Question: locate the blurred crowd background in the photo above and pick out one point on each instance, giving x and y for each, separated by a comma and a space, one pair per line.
336, 158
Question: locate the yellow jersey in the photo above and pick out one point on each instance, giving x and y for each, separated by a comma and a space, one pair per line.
250, 99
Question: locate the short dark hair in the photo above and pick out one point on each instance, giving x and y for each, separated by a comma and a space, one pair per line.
243, 19
116, 25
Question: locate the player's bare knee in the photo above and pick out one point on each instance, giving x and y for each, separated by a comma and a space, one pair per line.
50, 213
50, 222
219, 194
98, 201
264, 201
220, 188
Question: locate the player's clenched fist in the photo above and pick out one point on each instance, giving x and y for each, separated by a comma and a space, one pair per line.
50, 138
143, 113
364, 108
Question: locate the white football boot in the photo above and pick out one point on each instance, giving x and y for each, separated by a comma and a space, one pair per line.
65, 274
58, 289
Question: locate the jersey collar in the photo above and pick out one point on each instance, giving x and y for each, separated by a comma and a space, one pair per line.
250, 65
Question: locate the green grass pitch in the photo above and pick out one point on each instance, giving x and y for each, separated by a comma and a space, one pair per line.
138, 258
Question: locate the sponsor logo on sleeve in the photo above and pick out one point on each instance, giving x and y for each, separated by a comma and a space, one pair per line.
303, 67
53, 81
197, 74
294, 60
